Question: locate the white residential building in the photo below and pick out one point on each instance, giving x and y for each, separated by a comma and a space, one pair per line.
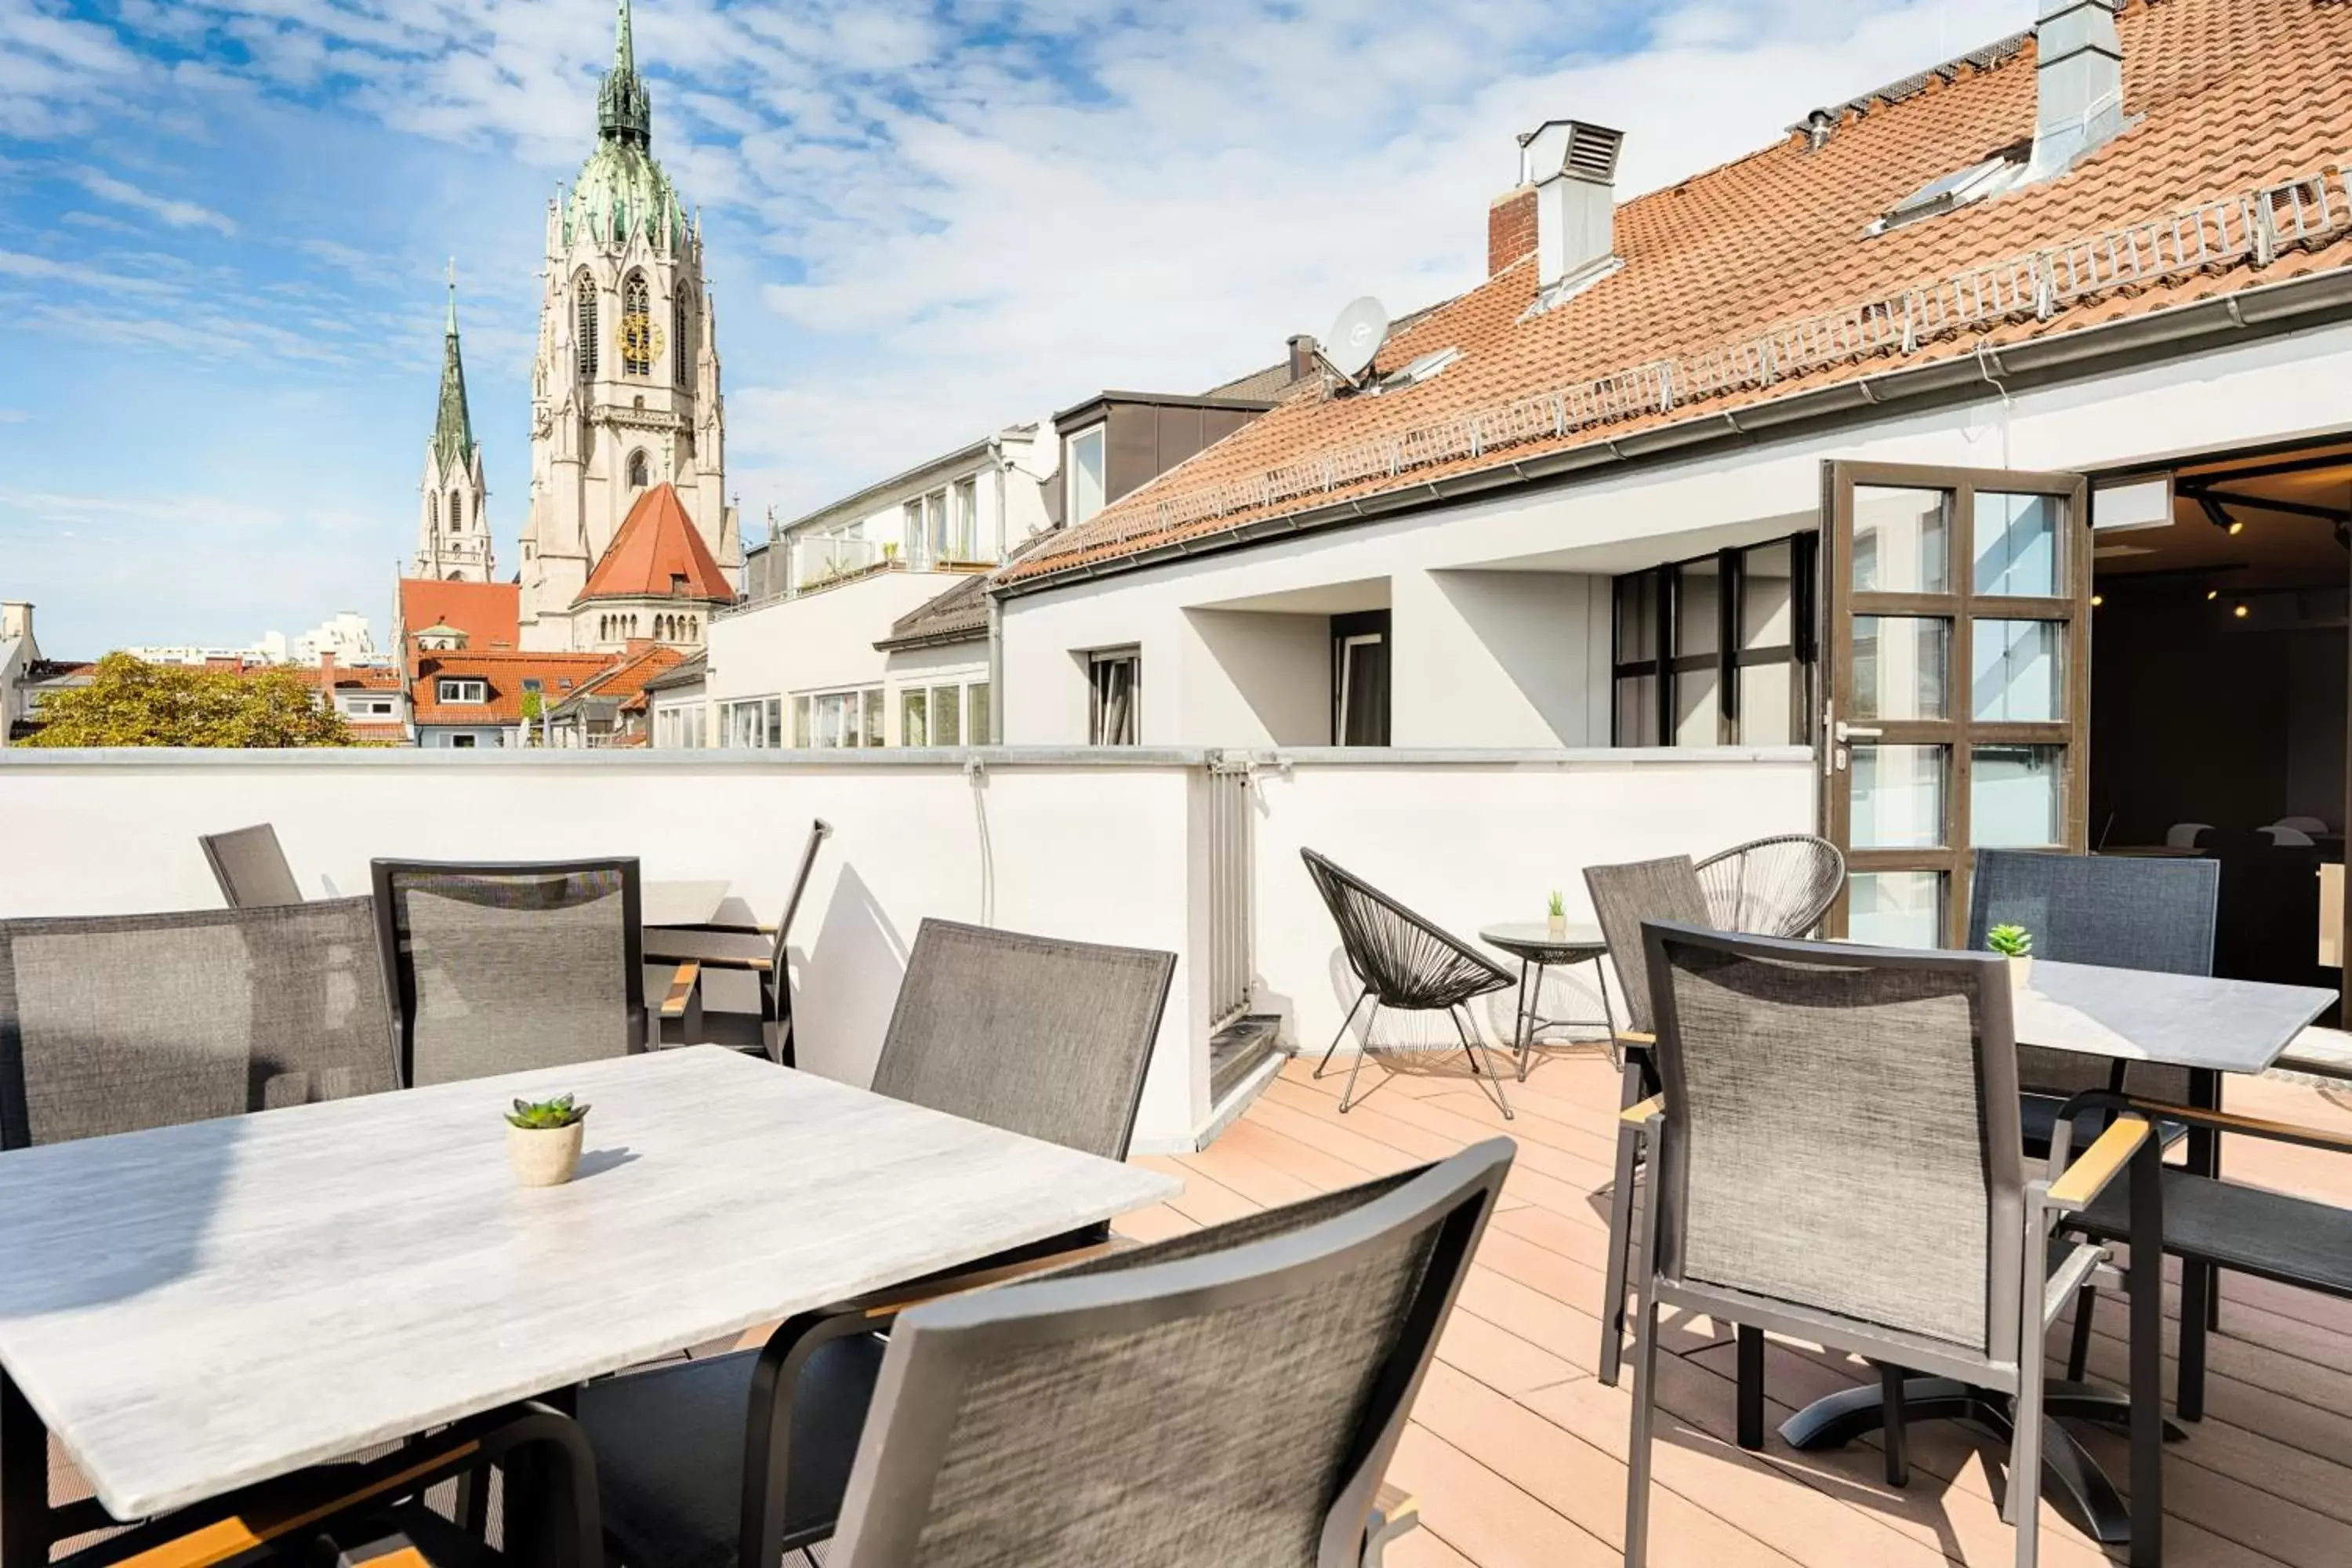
1849, 444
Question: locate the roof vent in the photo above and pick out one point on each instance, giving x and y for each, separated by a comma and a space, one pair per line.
1939, 196
1572, 164
1419, 369
1819, 127
2078, 84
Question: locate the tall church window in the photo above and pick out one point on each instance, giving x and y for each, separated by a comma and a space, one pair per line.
682, 337
457, 511
636, 328
432, 512
584, 326
640, 471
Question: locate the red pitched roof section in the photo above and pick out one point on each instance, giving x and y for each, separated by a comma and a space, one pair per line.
489, 613
2230, 96
625, 680
658, 553
558, 676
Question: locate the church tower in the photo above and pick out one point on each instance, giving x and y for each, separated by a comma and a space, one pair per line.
453, 532
625, 394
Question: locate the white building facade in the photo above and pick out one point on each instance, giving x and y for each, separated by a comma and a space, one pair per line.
625, 388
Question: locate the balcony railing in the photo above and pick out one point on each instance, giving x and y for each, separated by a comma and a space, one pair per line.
820, 563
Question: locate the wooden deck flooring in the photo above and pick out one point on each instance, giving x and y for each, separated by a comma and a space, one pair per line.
1517, 1450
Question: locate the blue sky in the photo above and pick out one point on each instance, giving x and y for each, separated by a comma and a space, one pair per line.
224, 224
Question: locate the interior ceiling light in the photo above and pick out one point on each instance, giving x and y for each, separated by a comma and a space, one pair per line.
2241, 612
2219, 516
2212, 594
2097, 599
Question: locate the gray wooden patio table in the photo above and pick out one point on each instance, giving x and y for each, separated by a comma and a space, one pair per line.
195, 1308
2206, 1024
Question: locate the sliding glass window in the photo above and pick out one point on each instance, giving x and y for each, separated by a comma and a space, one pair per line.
1717, 650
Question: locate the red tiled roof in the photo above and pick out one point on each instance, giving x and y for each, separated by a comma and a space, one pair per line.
368, 678
489, 613
2232, 96
559, 675
625, 680
658, 553
377, 733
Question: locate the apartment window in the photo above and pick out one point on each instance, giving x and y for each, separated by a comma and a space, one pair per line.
833, 719
914, 719
751, 722
947, 712
1717, 650
464, 743
981, 728
464, 690
1360, 679
963, 520
1115, 708
1082, 461
678, 726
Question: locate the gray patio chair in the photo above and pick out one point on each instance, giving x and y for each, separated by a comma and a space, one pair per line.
1779, 886
118, 1023
1228, 1397
1405, 963
1622, 897
743, 1456
502, 967
250, 867
731, 986
1837, 1159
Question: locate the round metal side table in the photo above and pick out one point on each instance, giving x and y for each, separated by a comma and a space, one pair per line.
1537, 948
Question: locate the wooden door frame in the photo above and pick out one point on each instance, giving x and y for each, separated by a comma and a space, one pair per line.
1958, 730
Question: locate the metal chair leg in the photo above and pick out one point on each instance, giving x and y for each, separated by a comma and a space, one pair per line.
1891, 1418
1750, 1386
1645, 1396
2078, 1348
1471, 1046
1348, 1094
1620, 1232
1353, 1009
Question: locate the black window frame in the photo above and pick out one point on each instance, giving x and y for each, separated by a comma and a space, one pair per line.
1664, 666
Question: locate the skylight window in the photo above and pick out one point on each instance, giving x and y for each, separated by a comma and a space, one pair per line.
1936, 197
1419, 369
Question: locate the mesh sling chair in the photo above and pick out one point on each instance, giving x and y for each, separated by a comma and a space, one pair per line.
2120, 911
1228, 1397
741, 1457
1622, 897
120, 1023
1405, 963
1837, 1157
250, 867
1779, 886
503, 967
726, 985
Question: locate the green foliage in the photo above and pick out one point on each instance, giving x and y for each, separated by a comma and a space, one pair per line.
533, 704
1558, 908
2013, 941
546, 1115
130, 703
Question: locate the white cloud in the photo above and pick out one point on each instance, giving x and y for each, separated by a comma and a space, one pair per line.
172, 210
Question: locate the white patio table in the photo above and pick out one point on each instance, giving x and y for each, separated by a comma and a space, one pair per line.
198, 1308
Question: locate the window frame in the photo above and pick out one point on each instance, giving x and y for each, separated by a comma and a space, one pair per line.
479, 687
1100, 436
1727, 661
1100, 664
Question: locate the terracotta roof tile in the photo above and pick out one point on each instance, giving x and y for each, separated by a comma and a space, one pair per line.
2231, 96
489, 613
503, 673
658, 553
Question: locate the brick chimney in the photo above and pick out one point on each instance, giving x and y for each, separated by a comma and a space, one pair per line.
327, 679
1302, 350
1510, 229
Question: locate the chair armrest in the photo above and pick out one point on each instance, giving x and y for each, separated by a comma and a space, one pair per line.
735, 928
1636, 1037
1640, 1115
2105, 1160
681, 989
760, 965
2252, 1126
981, 1278
1395, 1512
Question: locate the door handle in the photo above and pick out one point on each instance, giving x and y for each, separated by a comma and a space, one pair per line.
1846, 731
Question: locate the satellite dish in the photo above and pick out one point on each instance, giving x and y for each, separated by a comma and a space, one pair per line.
1356, 337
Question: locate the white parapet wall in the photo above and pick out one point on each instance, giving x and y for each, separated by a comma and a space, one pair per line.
1100, 845
1470, 840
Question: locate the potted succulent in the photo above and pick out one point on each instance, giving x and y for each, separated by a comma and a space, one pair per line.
2015, 944
543, 1139
1556, 916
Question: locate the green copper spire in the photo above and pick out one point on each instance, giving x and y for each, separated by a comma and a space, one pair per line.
624, 109
453, 426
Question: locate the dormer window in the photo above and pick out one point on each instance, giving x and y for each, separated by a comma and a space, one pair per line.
464, 692
1082, 466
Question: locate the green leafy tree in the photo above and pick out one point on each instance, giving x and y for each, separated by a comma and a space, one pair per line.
130, 703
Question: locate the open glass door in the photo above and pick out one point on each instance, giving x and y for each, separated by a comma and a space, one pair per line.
1956, 634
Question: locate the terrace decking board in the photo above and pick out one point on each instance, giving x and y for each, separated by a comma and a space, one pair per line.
1514, 1450
196, 1308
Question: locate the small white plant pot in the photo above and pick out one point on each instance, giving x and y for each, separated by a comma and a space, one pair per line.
544, 1156
2020, 970
1556, 926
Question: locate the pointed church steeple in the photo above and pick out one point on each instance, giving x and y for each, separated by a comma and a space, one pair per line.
453, 426
625, 108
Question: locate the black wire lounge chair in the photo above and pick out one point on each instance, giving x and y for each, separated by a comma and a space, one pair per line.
1405, 963
251, 867
1230, 1396
1779, 886
732, 986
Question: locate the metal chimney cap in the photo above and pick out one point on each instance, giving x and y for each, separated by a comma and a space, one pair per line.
1574, 147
